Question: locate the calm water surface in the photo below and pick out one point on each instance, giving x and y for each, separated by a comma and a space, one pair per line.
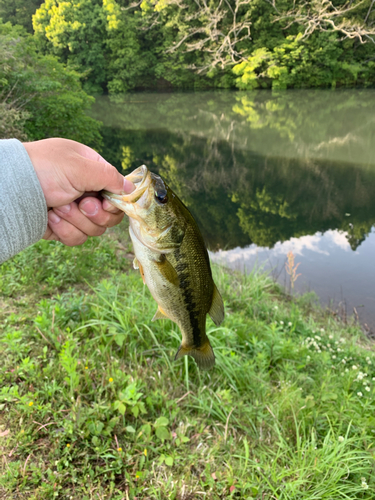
264, 174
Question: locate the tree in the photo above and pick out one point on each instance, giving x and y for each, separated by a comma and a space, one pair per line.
119, 45
353, 19
131, 47
19, 12
272, 42
75, 31
41, 98
215, 35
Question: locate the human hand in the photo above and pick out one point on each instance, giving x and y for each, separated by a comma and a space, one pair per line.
71, 175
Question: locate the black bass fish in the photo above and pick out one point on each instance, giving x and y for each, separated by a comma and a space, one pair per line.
173, 261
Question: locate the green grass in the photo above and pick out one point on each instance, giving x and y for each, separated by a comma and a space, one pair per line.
93, 406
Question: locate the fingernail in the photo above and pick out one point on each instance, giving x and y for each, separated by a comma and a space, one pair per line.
52, 217
89, 207
128, 186
64, 209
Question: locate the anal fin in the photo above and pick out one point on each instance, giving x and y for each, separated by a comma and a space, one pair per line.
217, 307
204, 356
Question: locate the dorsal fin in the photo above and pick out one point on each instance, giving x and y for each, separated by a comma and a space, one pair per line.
217, 307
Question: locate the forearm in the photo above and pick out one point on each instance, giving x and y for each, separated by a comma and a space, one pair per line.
23, 208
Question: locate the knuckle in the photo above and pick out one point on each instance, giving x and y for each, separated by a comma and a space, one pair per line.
111, 171
82, 240
101, 231
70, 235
103, 219
113, 210
115, 219
78, 240
97, 231
63, 232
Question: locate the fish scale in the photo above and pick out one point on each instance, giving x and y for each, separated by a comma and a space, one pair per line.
173, 261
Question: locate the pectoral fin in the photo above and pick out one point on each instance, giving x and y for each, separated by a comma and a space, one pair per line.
204, 355
160, 314
217, 307
167, 270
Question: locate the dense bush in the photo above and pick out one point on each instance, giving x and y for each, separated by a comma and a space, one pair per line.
39, 97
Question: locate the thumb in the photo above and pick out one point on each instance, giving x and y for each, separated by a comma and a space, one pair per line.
95, 175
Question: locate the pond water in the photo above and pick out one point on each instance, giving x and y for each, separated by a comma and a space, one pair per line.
264, 174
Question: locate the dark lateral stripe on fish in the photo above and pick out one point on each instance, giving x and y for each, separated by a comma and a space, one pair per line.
188, 300
181, 266
177, 255
191, 308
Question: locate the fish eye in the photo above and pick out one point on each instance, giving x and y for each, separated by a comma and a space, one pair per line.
161, 196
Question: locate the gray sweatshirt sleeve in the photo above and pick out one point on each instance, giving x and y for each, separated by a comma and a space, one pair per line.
23, 208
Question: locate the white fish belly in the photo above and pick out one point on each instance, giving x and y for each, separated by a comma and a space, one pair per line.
167, 295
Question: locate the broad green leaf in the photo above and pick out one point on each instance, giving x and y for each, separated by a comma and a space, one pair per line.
120, 407
119, 339
161, 421
135, 411
146, 430
162, 433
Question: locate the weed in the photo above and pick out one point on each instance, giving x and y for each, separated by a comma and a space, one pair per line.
291, 269
93, 406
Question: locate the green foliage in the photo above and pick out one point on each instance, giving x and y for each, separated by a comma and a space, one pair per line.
287, 412
12, 121
115, 45
19, 12
130, 398
319, 61
75, 32
118, 46
69, 364
41, 97
132, 49
55, 266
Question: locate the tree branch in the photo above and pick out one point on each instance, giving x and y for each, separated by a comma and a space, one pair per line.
324, 16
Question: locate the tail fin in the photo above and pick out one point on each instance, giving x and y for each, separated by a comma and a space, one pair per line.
203, 355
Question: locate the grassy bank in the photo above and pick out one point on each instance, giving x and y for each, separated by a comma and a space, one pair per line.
92, 405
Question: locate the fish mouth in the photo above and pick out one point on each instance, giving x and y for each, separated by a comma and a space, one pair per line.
141, 178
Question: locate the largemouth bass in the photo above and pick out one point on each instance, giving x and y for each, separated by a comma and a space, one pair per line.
173, 261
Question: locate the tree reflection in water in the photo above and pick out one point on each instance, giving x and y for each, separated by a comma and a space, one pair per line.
255, 167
